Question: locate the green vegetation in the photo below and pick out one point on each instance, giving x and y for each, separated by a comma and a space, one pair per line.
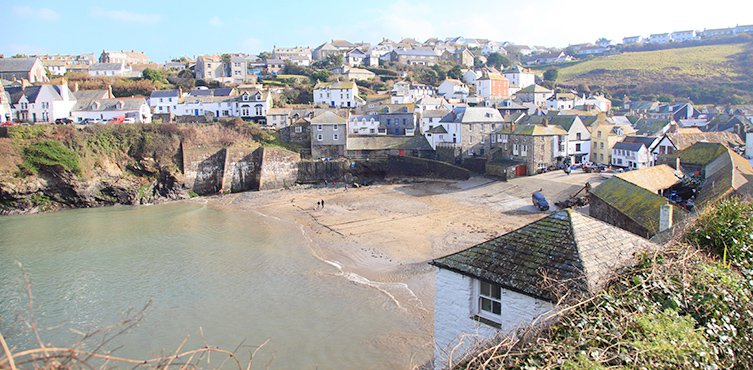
49, 154
677, 308
726, 232
713, 74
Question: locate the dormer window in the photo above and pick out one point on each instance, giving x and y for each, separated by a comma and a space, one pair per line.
245, 97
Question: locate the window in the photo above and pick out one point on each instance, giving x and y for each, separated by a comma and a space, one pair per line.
489, 300
524, 150
577, 147
601, 145
335, 137
298, 129
319, 137
335, 127
514, 149
578, 136
319, 127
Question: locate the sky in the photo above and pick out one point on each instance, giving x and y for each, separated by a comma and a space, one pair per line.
166, 29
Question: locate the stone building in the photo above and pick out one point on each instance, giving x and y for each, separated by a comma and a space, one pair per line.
630, 207
329, 133
538, 146
476, 126
298, 132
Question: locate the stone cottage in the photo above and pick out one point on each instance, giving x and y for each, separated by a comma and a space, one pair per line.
537, 146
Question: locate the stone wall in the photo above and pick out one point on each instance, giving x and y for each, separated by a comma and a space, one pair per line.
317, 171
449, 153
279, 168
601, 210
454, 323
204, 168
242, 170
402, 166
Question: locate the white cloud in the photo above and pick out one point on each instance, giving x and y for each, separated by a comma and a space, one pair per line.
215, 21
126, 16
42, 14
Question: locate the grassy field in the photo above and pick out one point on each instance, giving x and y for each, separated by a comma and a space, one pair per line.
704, 71
714, 61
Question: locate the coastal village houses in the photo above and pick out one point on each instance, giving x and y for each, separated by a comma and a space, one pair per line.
495, 287
604, 135
337, 94
475, 126
30, 69
41, 103
329, 132
107, 109
537, 146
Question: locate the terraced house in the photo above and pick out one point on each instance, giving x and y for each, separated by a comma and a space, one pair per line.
337, 94
537, 146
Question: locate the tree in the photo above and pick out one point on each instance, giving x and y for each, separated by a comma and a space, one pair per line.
455, 72
264, 55
551, 75
153, 75
441, 74
321, 75
497, 60
19, 56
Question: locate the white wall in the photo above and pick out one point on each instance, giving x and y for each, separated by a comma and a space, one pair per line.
453, 323
342, 98
749, 145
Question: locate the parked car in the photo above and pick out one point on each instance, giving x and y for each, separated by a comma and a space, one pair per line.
63, 121
539, 201
8, 124
129, 120
89, 121
116, 120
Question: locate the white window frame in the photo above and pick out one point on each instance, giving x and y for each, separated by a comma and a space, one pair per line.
335, 137
298, 129
319, 127
494, 303
320, 137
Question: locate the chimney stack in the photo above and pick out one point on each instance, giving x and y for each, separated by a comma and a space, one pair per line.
665, 217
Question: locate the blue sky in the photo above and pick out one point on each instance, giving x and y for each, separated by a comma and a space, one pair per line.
171, 28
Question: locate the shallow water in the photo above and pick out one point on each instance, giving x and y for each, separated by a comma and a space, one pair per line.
237, 277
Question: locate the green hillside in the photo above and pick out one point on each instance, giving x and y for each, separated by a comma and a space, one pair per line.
706, 74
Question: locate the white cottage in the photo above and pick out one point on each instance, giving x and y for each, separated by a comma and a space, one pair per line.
495, 287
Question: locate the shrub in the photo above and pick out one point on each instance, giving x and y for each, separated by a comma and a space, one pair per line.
50, 154
726, 230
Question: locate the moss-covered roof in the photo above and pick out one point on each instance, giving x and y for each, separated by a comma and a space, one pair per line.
566, 246
634, 202
701, 153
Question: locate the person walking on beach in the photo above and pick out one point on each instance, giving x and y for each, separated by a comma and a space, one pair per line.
317, 205
322, 203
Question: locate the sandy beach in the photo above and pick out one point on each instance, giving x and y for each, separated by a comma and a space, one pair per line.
384, 235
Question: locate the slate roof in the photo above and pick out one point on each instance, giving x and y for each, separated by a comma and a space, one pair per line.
103, 105
567, 246
538, 130
734, 176
164, 94
534, 89
631, 147
91, 94
685, 137
634, 202
651, 127
654, 178
16, 92
327, 117
438, 130
387, 142
106, 67
435, 113
16, 64
645, 140
473, 115
566, 122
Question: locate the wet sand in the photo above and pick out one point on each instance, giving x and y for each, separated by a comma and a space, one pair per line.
384, 235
